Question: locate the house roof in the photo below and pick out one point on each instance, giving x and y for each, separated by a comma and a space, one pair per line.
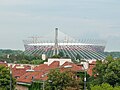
89, 71
41, 67
31, 76
72, 66
54, 65
18, 70
40, 72
27, 77
3, 63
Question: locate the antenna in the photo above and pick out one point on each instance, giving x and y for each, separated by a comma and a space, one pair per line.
35, 38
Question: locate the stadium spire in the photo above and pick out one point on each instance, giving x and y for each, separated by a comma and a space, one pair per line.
56, 42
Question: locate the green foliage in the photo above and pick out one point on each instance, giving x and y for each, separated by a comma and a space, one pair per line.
22, 58
61, 54
67, 56
107, 71
62, 80
81, 74
17, 56
78, 57
8, 51
105, 86
56, 56
37, 62
114, 54
5, 78
37, 85
23, 61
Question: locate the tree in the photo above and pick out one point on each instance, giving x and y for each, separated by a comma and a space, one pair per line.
105, 86
36, 85
61, 54
37, 62
78, 57
107, 71
5, 78
62, 80
81, 74
56, 56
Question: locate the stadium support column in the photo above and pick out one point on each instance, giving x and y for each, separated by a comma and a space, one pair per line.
56, 42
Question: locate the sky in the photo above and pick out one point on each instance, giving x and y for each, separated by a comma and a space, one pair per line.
97, 19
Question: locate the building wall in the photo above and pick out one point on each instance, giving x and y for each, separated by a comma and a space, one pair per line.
20, 87
62, 61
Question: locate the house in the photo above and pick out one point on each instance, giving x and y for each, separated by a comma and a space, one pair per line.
40, 72
26, 74
3, 63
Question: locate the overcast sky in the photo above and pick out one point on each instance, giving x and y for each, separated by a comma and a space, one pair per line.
20, 19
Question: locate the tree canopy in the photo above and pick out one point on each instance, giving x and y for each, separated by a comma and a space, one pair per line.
5, 78
107, 71
105, 86
62, 80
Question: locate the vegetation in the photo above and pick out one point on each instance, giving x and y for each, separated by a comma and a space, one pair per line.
107, 71
114, 54
62, 81
56, 56
37, 85
12, 56
5, 78
106, 74
78, 58
34, 62
10, 52
61, 54
105, 86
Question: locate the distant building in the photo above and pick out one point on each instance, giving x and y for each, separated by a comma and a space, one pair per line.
70, 47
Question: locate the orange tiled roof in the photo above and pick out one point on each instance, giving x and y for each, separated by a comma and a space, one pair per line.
54, 64
31, 76
17, 72
41, 67
89, 71
72, 66
40, 72
27, 77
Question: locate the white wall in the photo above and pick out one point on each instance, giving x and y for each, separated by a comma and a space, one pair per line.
62, 61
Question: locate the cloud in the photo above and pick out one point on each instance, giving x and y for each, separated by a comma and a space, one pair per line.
25, 2
11, 2
92, 18
15, 2
14, 14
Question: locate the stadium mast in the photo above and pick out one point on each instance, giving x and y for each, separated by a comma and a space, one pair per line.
56, 42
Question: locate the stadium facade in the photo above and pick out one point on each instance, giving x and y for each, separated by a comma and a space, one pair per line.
86, 49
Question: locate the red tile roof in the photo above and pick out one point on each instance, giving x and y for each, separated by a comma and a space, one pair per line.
72, 66
40, 72
27, 77
31, 76
54, 65
89, 71
91, 66
17, 72
41, 67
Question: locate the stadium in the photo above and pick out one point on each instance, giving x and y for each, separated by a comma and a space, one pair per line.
70, 47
